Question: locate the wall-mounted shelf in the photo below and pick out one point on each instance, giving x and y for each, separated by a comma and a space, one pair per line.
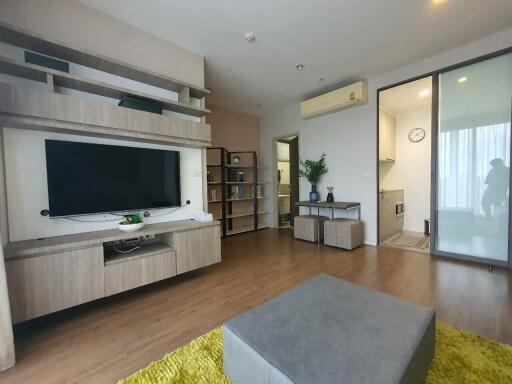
66, 80
28, 40
38, 109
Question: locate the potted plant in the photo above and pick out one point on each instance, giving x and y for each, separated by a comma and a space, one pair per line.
313, 171
131, 223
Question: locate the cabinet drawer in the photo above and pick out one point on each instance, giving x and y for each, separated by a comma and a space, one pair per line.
137, 272
49, 283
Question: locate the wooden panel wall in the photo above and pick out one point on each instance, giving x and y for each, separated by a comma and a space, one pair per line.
6, 337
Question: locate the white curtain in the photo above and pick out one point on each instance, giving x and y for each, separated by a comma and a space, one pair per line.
464, 164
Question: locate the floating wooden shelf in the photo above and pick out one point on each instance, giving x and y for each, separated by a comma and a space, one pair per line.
28, 40
38, 109
66, 80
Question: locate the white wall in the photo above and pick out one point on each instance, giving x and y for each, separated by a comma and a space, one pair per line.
84, 28
411, 169
349, 137
27, 192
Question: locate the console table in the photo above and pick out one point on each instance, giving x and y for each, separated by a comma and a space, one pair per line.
55, 273
345, 205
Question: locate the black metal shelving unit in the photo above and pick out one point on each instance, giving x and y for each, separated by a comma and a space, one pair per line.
228, 170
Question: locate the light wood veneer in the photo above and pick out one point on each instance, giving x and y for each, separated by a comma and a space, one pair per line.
45, 284
133, 273
26, 39
29, 108
48, 275
198, 249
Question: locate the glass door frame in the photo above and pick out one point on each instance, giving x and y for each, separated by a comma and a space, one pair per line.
433, 166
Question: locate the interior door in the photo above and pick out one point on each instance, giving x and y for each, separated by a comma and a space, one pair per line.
294, 178
472, 149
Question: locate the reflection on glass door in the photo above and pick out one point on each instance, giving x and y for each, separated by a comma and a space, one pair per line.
473, 159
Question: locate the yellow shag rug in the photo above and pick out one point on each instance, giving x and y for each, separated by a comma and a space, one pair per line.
461, 357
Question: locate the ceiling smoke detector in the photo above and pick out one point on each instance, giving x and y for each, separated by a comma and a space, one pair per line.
250, 37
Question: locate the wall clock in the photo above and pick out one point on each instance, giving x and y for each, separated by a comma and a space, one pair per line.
416, 135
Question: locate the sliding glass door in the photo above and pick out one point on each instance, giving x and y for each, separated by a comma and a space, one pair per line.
472, 174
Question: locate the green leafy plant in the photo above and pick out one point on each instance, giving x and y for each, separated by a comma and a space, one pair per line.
132, 219
313, 170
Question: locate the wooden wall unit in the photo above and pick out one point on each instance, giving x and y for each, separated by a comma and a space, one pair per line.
52, 274
48, 275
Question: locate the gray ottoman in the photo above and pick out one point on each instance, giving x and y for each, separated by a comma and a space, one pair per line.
309, 227
343, 233
327, 330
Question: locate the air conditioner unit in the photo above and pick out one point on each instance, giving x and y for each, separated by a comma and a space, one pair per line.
353, 94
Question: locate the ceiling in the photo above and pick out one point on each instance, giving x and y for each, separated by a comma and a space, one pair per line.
338, 41
407, 97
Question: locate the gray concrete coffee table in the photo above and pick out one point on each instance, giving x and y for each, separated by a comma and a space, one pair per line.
328, 330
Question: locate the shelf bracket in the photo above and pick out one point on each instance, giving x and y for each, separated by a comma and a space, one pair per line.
49, 82
184, 95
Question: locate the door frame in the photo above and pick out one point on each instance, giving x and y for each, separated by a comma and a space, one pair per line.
275, 139
433, 166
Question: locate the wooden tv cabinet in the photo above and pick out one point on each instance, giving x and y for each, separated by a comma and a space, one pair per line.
55, 273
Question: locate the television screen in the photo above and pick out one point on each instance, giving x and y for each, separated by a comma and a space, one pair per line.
88, 178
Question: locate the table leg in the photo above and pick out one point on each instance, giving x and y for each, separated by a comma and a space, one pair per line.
318, 224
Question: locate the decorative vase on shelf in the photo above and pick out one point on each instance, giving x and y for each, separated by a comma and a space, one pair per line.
314, 196
330, 196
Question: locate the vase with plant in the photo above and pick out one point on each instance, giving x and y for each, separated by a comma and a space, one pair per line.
313, 171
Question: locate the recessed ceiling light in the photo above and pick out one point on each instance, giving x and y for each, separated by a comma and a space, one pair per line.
299, 67
439, 2
424, 94
250, 37
462, 79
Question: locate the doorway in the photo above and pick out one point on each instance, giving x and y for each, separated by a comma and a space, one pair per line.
287, 163
405, 114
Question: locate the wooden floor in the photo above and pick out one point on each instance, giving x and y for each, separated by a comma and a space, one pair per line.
107, 340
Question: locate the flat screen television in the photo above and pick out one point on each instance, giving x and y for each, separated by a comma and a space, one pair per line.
88, 178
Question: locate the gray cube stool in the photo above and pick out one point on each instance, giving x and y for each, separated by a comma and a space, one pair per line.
330, 331
309, 227
343, 233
